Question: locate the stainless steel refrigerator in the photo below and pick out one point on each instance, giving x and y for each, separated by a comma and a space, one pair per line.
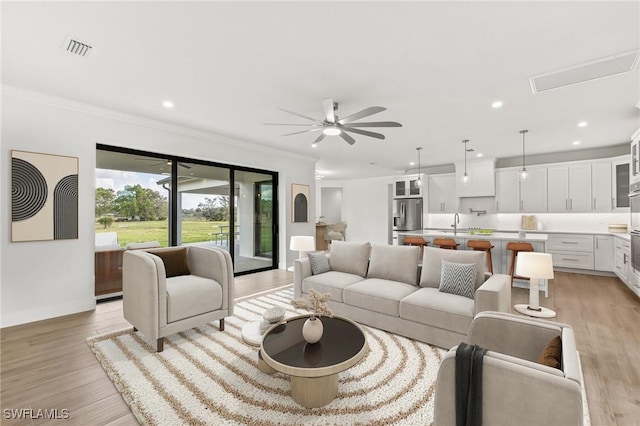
407, 214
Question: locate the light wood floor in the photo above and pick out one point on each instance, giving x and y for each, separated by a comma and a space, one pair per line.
48, 364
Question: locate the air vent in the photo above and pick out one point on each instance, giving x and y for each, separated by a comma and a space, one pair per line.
600, 68
77, 47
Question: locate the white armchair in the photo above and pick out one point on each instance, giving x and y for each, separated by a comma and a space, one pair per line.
172, 289
517, 390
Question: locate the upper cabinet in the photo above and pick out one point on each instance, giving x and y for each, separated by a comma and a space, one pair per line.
516, 196
602, 201
442, 193
620, 171
569, 188
406, 187
481, 182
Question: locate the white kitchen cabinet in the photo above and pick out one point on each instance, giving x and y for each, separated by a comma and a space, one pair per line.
603, 253
569, 188
515, 196
601, 187
622, 259
507, 191
481, 182
620, 170
533, 191
405, 187
442, 193
571, 250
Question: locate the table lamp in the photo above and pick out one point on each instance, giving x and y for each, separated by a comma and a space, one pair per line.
535, 266
302, 243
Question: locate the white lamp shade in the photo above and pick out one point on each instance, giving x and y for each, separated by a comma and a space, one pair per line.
302, 243
535, 265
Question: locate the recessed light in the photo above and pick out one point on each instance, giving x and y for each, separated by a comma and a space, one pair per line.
314, 145
167, 104
496, 104
576, 142
583, 124
479, 154
413, 163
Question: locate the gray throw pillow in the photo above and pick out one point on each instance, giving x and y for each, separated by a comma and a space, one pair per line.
319, 263
458, 278
432, 263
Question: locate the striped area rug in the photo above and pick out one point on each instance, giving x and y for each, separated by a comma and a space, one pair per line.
209, 377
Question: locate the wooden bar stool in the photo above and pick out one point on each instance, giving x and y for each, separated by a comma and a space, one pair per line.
414, 240
515, 248
445, 243
483, 245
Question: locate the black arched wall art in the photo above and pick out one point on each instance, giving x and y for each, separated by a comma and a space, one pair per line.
299, 203
44, 197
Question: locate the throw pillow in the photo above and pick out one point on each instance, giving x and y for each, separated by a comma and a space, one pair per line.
174, 259
432, 263
458, 278
551, 355
319, 263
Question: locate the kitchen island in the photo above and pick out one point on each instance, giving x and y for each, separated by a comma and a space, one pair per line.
499, 253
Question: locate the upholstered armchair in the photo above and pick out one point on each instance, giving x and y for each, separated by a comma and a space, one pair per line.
168, 290
516, 389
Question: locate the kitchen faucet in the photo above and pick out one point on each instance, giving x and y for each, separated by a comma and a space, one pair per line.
456, 220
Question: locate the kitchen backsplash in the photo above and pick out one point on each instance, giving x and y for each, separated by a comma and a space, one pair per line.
575, 222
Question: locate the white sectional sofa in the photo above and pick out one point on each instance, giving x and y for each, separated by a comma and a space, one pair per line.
385, 287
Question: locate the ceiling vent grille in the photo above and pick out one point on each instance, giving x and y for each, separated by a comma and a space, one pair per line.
77, 47
594, 70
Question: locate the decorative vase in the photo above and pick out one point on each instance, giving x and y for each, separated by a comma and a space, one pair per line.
312, 330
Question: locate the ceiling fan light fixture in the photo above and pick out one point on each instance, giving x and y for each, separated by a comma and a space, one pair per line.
331, 131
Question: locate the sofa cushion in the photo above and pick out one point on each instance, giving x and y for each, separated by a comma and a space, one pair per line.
318, 262
377, 295
432, 264
332, 282
551, 355
352, 258
458, 278
174, 259
442, 310
395, 263
190, 295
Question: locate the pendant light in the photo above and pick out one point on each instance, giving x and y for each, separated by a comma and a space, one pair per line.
418, 183
523, 173
465, 177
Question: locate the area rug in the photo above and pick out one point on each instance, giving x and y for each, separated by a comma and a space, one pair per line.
209, 377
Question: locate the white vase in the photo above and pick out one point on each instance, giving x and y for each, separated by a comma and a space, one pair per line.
312, 330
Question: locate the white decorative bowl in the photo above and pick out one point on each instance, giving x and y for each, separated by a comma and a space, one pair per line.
274, 315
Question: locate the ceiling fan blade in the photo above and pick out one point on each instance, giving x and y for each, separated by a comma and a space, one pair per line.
374, 124
319, 138
184, 165
303, 131
364, 132
361, 114
329, 113
300, 115
290, 124
347, 138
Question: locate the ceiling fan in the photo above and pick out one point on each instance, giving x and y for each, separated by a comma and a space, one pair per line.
162, 162
332, 125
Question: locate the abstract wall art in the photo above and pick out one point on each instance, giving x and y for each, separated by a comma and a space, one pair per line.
44, 197
299, 203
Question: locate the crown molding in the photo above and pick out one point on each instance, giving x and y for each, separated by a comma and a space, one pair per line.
110, 114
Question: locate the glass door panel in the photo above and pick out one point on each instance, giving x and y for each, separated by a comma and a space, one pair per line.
254, 219
203, 205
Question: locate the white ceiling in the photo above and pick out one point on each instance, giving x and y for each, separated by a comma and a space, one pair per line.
436, 66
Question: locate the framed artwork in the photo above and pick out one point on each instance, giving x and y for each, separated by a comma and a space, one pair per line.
44, 197
299, 203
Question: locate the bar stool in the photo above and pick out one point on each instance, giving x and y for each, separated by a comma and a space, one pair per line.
517, 247
415, 241
446, 243
483, 245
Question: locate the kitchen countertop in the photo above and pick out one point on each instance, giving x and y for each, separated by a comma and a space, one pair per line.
466, 235
536, 231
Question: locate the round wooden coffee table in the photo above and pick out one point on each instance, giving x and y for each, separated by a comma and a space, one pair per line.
314, 367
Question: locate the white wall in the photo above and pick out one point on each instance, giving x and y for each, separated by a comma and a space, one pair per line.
365, 206
46, 279
331, 204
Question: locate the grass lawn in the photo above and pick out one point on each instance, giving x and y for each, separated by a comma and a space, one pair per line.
193, 231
